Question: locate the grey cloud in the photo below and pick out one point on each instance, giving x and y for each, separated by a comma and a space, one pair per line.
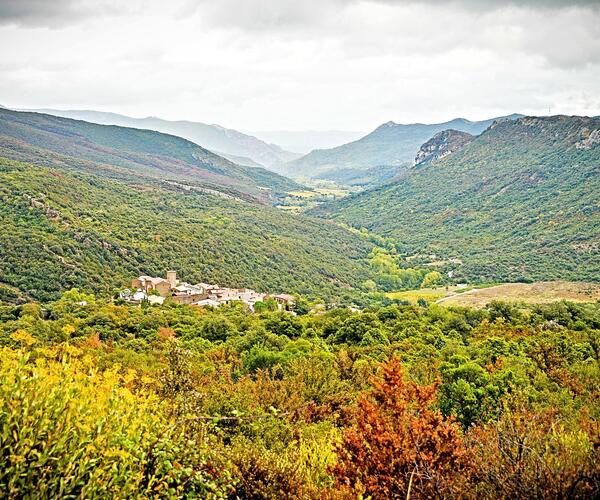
251, 15
567, 39
495, 4
54, 13
307, 16
38, 12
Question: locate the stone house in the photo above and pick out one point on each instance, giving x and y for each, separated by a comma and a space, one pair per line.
149, 284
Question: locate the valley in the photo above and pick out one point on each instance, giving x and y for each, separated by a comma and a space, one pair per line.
501, 186
264, 332
517, 202
300, 250
379, 156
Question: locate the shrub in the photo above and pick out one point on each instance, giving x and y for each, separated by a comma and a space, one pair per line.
535, 456
69, 430
399, 445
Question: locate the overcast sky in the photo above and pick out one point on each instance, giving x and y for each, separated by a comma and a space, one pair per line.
302, 64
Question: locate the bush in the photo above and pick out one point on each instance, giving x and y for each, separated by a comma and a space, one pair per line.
69, 430
400, 446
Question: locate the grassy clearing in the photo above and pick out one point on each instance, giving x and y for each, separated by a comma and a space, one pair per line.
335, 192
303, 194
412, 296
535, 293
542, 292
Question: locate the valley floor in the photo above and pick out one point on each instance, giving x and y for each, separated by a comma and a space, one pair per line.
542, 292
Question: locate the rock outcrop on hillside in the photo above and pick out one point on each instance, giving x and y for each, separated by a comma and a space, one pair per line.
442, 144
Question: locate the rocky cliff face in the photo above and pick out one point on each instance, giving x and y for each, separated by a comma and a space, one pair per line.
442, 144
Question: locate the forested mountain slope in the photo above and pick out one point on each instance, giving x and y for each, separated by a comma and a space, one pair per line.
63, 230
128, 153
521, 201
391, 144
212, 137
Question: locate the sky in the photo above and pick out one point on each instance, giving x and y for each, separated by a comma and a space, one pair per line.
302, 64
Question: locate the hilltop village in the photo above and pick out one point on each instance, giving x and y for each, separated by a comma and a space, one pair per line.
156, 290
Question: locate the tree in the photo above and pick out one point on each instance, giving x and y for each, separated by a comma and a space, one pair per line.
216, 329
399, 445
432, 278
301, 307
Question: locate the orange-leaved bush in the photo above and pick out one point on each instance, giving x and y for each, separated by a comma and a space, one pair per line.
400, 445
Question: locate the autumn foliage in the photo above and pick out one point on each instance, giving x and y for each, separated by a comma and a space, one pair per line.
531, 455
400, 446
104, 400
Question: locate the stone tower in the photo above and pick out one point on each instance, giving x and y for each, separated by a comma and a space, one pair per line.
172, 278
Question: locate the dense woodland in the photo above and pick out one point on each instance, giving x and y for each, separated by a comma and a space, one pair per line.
102, 399
519, 203
63, 230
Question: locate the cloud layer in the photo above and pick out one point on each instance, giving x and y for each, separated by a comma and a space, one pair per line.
318, 64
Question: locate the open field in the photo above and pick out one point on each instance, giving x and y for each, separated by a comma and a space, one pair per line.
302, 194
535, 293
412, 296
302, 200
335, 192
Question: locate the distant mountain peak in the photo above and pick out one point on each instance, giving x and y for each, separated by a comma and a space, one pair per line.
389, 145
460, 120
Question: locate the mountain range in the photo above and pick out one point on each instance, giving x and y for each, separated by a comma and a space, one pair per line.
237, 146
129, 153
518, 202
90, 206
391, 145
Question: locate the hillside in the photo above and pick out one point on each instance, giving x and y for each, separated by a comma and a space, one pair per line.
212, 137
519, 202
130, 154
391, 144
63, 229
441, 145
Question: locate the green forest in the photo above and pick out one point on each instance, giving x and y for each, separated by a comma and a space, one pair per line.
300, 250
519, 203
63, 230
103, 399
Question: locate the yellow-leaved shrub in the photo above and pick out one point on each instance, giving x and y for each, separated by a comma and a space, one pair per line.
70, 430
